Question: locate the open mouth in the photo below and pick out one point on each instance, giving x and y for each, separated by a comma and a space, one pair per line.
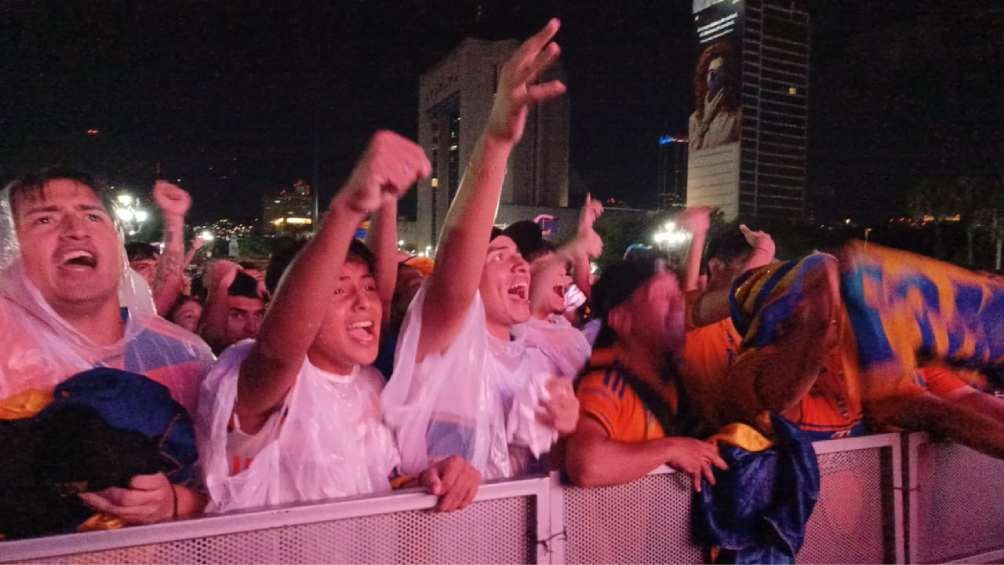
78, 259
362, 331
559, 290
520, 291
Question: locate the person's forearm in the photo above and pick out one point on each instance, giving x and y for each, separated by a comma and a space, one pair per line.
604, 461
692, 270
189, 501
382, 239
464, 242
168, 280
214, 319
983, 403
710, 307
924, 412
296, 314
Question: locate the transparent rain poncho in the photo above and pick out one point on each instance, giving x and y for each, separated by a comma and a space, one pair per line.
564, 345
330, 440
478, 399
41, 349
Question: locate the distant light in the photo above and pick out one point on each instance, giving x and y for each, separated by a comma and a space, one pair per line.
667, 139
792, 91
454, 147
670, 236
298, 221
434, 182
93, 131
124, 214
847, 221
276, 201
141, 215
124, 199
400, 243
207, 235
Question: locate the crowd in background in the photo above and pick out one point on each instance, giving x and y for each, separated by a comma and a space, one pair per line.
342, 368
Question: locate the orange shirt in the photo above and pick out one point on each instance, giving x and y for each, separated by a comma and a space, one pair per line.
606, 396
708, 354
940, 379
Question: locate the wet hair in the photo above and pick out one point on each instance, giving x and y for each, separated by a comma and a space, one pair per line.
284, 256
32, 185
141, 251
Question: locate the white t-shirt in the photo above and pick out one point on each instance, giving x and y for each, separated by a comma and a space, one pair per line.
327, 440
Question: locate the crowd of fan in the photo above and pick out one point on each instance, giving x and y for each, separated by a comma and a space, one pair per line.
345, 368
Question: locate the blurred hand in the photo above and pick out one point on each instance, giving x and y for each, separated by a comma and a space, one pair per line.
149, 499
591, 211
220, 273
762, 244
197, 243
386, 170
171, 199
517, 91
696, 219
453, 480
694, 457
561, 410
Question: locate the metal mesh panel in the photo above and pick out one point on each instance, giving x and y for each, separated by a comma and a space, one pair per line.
646, 521
848, 524
493, 531
961, 511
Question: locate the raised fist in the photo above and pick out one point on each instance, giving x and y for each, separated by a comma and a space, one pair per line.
171, 199
696, 219
386, 170
591, 211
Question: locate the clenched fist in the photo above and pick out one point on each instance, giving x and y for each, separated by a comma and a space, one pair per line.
387, 169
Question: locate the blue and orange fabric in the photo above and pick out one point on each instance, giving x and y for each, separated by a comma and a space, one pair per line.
606, 396
945, 381
762, 303
902, 306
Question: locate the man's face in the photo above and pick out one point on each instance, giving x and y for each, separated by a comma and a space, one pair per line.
549, 281
244, 316
656, 310
147, 268
350, 332
69, 246
505, 283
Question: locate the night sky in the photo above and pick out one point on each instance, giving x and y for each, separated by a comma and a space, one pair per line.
229, 96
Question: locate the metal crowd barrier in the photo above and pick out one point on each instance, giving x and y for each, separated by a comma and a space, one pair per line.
859, 518
955, 503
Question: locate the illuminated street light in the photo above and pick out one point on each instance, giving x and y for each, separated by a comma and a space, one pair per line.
124, 199
207, 236
669, 236
129, 214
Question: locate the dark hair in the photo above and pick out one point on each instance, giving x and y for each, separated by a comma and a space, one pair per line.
546, 248
618, 283
727, 246
726, 52
288, 251
244, 285
141, 250
181, 301
32, 184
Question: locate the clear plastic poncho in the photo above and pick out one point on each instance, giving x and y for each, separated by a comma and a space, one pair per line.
41, 349
477, 399
564, 345
331, 441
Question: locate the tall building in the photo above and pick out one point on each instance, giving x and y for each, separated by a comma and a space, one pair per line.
749, 129
455, 98
672, 172
290, 210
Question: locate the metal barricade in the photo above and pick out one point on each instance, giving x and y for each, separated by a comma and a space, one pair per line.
858, 518
955, 505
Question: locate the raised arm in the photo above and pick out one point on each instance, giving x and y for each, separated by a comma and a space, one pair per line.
590, 248
174, 204
466, 231
713, 305
697, 220
390, 165
382, 239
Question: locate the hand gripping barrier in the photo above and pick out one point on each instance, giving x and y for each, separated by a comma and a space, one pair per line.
859, 518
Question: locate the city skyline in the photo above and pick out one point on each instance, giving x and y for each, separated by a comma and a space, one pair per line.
232, 100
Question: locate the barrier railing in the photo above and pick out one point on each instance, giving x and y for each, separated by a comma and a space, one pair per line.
955, 503
859, 518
